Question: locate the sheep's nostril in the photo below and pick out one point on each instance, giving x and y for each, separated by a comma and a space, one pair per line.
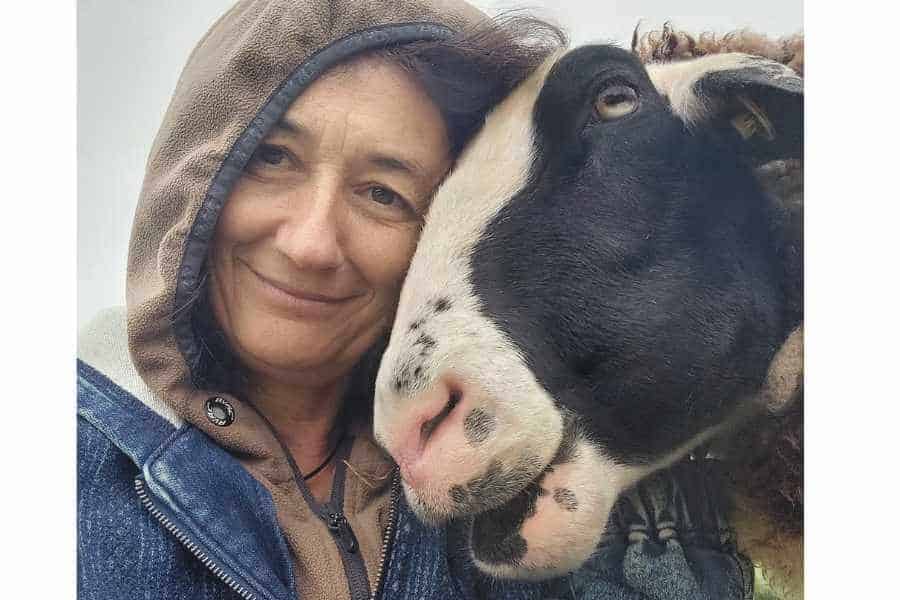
431, 424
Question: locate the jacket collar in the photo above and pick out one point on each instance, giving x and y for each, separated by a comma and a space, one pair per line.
232, 528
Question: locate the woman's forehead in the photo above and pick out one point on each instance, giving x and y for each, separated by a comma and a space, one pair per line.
370, 87
370, 107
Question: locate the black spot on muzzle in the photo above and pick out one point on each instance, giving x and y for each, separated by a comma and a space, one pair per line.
565, 498
478, 426
496, 534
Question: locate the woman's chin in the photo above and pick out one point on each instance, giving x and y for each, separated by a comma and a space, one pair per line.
294, 358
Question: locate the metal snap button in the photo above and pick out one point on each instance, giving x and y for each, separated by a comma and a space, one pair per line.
219, 411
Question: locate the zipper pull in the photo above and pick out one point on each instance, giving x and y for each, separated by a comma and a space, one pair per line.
340, 528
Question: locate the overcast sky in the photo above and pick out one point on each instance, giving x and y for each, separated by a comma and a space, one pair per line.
130, 53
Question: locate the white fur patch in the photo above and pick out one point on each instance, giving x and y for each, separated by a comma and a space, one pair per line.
103, 344
676, 80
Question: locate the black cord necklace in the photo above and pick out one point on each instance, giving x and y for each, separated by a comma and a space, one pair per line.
327, 460
290, 457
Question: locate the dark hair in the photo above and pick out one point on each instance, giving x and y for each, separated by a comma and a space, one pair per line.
465, 76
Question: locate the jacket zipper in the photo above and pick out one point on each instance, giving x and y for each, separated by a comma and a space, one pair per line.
388, 535
207, 562
332, 513
340, 528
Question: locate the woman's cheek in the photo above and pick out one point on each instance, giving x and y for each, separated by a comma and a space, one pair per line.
383, 254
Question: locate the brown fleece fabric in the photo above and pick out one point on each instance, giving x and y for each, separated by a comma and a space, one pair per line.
228, 78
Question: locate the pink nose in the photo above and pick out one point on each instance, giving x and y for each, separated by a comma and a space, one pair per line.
434, 411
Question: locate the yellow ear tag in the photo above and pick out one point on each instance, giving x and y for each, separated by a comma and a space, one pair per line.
752, 122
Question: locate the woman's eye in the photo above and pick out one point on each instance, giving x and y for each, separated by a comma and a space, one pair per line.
385, 203
616, 102
272, 163
384, 196
271, 155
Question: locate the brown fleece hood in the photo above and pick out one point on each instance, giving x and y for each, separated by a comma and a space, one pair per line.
238, 82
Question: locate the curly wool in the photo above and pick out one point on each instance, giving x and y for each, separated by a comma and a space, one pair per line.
670, 44
767, 496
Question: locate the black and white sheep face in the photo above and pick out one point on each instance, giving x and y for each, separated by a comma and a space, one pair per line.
595, 288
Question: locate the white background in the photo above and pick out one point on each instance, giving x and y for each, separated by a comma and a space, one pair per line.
130, 54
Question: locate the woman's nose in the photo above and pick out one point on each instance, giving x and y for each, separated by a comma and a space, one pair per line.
312, 236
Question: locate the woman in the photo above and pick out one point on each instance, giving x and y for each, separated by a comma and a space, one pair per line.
224, 445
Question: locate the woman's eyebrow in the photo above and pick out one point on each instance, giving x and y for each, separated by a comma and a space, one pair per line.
381, 160
394, 163
291, 128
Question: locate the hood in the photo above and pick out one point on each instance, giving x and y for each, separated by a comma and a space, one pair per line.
238, 82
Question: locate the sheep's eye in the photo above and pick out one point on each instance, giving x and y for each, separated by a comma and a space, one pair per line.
615, 102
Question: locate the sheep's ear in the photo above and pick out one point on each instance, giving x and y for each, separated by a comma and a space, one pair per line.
761, 99
784, 381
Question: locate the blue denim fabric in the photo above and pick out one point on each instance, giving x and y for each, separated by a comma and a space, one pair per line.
123, 552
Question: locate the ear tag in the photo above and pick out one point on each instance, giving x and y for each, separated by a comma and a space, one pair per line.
753, 122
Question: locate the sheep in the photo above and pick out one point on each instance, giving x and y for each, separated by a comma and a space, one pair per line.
609, 297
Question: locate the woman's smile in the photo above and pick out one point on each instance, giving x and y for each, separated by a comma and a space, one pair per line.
299, 301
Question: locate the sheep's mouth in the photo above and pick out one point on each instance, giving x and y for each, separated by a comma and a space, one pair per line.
499, 488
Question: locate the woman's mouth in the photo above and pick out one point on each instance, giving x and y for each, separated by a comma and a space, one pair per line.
300, 301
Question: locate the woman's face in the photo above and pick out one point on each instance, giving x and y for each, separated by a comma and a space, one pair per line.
312, 245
